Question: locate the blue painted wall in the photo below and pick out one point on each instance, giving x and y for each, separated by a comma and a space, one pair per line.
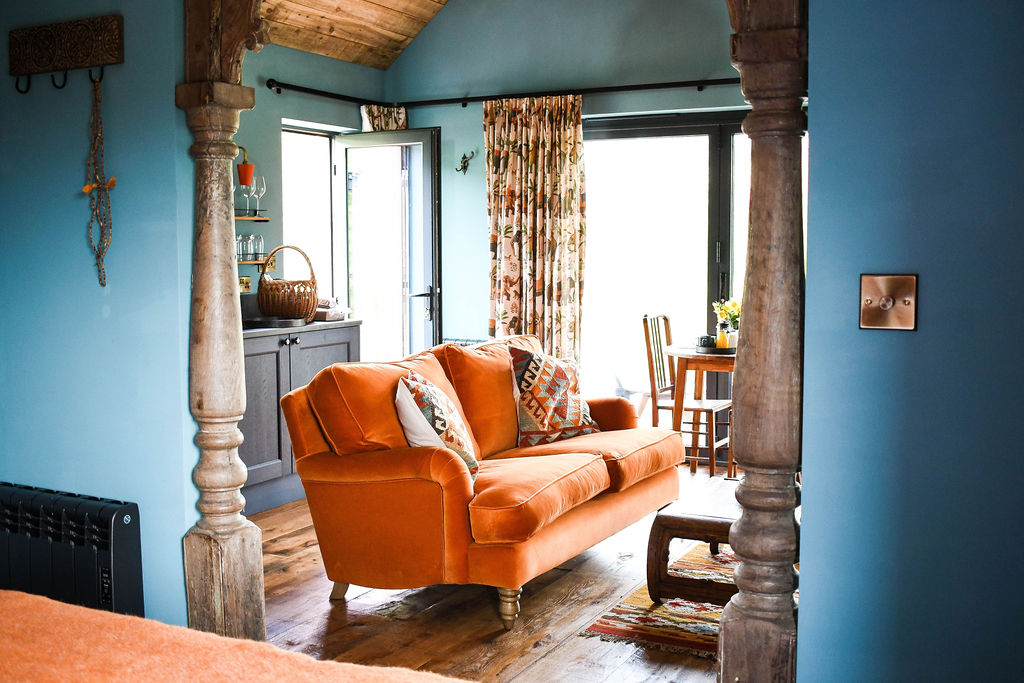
912, 481
95, 378
474, 48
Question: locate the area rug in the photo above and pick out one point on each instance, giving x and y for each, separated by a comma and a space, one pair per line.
674, 625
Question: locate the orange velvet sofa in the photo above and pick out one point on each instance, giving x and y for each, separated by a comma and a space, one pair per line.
388, 515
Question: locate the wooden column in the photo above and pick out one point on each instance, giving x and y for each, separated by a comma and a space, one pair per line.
758, 628
223, 554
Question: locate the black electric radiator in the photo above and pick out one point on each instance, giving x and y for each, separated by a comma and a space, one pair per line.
73, 548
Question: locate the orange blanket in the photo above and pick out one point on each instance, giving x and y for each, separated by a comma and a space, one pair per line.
45, 640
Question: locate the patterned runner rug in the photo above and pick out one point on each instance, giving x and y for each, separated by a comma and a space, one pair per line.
675, 625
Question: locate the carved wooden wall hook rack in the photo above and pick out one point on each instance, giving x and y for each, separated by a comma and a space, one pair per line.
80, 44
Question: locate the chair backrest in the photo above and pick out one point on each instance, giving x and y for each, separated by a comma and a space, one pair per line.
658, 333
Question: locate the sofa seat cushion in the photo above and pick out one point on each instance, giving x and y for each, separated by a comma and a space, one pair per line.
355, 402
629, 454
517, 497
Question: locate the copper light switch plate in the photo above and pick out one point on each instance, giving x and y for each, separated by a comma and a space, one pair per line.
888, 302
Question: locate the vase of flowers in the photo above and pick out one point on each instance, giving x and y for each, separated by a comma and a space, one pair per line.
728, 311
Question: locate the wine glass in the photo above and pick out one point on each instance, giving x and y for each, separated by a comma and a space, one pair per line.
259, 185
248, 191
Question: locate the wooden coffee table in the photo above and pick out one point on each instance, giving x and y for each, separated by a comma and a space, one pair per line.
705, 519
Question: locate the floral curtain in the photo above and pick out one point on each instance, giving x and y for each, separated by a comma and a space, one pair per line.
378, 117
536, 205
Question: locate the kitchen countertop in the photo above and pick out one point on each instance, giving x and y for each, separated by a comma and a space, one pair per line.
309, 327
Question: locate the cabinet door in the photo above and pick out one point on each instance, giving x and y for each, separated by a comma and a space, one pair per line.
313, 351
266, 450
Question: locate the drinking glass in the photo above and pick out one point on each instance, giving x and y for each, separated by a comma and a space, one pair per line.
259, 189
247, 192
250, 247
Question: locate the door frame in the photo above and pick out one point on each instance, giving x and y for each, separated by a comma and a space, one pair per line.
222, 552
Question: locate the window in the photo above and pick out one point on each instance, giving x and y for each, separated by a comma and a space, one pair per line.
308, 222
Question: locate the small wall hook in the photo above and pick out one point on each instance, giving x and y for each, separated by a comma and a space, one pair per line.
96, 80
53, 79
28, 84
464, 164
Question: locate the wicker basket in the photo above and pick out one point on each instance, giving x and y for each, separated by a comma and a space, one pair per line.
287, 298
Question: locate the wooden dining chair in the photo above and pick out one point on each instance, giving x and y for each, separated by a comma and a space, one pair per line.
658, 334
704, 414
705, 421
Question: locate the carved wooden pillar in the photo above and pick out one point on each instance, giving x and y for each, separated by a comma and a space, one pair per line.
223, 554
758, 628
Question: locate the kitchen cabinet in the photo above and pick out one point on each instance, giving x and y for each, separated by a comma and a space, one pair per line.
276, 361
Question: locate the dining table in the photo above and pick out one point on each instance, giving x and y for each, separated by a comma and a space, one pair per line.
688, 358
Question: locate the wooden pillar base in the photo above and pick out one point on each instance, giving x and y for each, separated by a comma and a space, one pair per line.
765, 650
508, 606
215, 565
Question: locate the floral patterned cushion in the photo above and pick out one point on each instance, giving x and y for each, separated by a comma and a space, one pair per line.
550, 407
430, 418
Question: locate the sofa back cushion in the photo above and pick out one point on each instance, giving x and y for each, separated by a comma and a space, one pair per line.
355, 402
482, 377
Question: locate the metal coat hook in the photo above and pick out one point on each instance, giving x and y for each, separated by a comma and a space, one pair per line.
96, 80
53, 80
464, 164
28, 84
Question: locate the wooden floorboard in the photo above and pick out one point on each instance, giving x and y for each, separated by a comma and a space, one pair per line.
455, 630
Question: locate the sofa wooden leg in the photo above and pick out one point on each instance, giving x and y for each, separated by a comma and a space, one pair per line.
339, 590
509, 606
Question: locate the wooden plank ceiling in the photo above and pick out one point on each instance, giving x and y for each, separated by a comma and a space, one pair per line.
372, 33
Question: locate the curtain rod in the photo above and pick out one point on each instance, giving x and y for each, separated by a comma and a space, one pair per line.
277, 86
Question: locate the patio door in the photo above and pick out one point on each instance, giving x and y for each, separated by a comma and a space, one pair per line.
659, 239
393, 237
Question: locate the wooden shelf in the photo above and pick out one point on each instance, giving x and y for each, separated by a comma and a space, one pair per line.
258, 219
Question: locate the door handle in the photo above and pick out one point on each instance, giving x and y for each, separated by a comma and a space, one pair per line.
429, 312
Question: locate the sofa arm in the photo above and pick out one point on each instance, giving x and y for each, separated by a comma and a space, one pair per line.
397, 518
612, 413
429, 463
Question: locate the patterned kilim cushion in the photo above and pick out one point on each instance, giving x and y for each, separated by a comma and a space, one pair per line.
550, 406
430, 418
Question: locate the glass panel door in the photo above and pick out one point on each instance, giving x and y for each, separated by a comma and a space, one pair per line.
378, 249
647, 252
393, 237
741, 207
